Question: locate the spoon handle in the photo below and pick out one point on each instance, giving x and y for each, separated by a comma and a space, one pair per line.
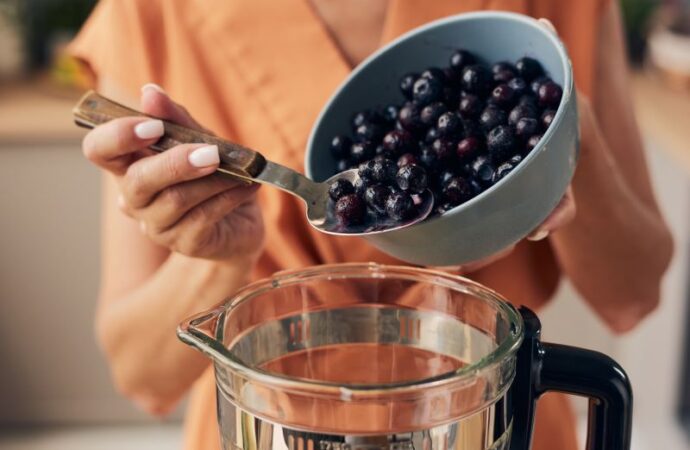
93, 109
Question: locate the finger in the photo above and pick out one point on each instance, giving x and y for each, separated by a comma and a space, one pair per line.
112, 145
561, 215
195, 225
156, 102
476, 265
171, 204
148, 176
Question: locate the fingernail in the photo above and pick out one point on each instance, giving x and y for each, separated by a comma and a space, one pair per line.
538, 236
204, 156
154, 87
149, 129
121, 201
142, 226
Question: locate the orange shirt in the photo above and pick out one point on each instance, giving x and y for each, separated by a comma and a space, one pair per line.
259, 72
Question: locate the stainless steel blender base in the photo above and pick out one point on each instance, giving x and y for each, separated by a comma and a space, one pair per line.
489, 429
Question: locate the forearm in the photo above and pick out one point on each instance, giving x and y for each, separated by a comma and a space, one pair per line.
137, 329
617, 248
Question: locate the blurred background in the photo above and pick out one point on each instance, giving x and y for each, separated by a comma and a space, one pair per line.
53, 382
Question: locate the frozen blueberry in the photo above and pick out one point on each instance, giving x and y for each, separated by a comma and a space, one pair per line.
383, 170
445, 177
468, 148
476, 79
428, 158
400, 206
375, 196
362, 151
407, 159
366, 169
470, 106
397, 142
491, 117
451, 77
471, 127
501, 143
549, 94
503, 66
519, 86
449, 125
525, 128
503, 76
434, 72
528, 68
503, 170
390, 114
503, 96
431, 135
369, 131
409, 117
483, 171
430, 113
532, 142
361, 184
340, 188
521, 112
406, 84
536, 84
340, 146
528, 100
451, 95
460, 59
457, 191
412, 178
427, 90
547, 118
342, 165
366, 116
476, 187
350, 210
445, 150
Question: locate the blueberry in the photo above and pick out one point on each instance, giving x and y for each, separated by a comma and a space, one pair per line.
491, 117
451, 95
407, 159
409, 117
342, 165
412, 178
501, 143
503, 170
397, 142
457, 191
525, 128
451, 77
383, 170
445, 177
519, 86
400, 206
515, 160
528, 100
476, 79
375, 196
476, 187
431, 135
390, 114
427, 90
445, 150
366, 116
547, 118
340, 188
361, 184
528, 68
406, 84
472, 128
362, 151
449, 125
430, 113
366, 170
521, 112
483, 171
536, 84
550, 94
503, 96
470, 106
434, 72
501, 66
380, 150
468, 148
368, 131
340, 146
460, 59
503, 77
350, 210
428, 158
532, 142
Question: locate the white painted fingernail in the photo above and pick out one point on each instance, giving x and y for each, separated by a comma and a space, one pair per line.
142, 226
149, 129
204, 156
153, 86
121, 202
538, 236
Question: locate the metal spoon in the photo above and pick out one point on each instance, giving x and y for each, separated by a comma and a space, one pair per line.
240, 162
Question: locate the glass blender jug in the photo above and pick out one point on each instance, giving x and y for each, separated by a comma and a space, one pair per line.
372, 357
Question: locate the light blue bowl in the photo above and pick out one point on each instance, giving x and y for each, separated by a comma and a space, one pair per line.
513, 207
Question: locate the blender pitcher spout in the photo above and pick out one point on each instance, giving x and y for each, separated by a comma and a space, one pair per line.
201, 332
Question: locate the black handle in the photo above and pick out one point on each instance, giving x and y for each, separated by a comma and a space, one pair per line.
543, 367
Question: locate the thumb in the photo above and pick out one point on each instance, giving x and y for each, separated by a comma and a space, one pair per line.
156, 102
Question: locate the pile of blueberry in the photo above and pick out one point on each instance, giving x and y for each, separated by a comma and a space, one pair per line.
460, 130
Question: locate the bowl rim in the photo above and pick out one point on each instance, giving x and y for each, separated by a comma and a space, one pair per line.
544, 29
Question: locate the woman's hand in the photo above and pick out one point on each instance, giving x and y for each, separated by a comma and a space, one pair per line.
175, 196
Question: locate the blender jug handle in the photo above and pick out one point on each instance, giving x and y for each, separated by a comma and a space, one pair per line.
543, 367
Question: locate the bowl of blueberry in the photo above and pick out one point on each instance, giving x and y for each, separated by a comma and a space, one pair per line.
480, 110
